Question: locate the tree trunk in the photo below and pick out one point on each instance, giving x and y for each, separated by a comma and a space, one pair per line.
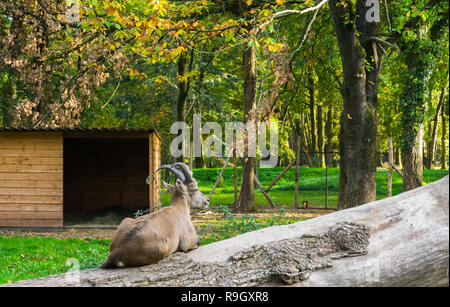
369, 245
329, 136
320, 136
182, 89
412, 161
297, 170
304, 142
200, 161
179, 103
246, 201
398, 157
357, 138
312, 116
432, 144
412, 107
391, 162
427, 157
443, 148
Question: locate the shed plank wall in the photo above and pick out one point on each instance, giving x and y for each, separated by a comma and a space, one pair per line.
31, 179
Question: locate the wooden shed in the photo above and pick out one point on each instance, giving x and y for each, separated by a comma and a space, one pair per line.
47, 173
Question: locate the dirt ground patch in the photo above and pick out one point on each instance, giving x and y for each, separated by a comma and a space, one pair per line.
106, 228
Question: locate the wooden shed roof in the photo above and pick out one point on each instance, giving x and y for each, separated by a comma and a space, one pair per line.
79, 129
93, 132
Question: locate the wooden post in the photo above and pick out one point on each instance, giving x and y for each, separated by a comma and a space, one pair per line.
443, 149
219, 178
398, 170
391, 162
326, 181
235, 176
264, 192
154, 153
280, 175
191, 158
297, 166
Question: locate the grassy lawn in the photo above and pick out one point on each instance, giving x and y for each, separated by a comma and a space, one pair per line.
32, 257
312, 185
231, 225
25, 257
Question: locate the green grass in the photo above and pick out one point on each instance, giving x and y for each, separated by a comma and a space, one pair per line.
312, 185
232, 226
32, 257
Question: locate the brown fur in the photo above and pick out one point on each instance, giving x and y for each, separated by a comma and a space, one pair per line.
151, 237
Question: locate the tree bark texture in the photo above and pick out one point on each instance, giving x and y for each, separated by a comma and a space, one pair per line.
312, 116
412, 106
412, 161
398, 241
329, 136
431, 146
246, 202
320, 136
358, 146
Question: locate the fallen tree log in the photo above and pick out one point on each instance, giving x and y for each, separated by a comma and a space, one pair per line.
398, 241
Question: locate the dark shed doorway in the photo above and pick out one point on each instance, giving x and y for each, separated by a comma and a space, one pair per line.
102, 174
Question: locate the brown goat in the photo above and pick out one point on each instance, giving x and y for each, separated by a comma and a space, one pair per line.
151, 237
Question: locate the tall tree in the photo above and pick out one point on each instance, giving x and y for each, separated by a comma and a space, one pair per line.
419, 46
312, 114
246, 202
361, 58
443, 139
320, 136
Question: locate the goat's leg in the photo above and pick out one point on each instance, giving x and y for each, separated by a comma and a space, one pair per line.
184, 245
190, 240
188, 243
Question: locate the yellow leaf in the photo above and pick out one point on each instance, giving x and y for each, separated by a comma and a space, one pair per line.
249, 2
112, 11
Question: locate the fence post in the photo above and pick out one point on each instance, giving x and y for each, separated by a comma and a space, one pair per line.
219, 178
235, 175
326, 181
297, 166
391, 162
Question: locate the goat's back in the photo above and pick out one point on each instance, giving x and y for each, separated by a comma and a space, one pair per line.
146, 239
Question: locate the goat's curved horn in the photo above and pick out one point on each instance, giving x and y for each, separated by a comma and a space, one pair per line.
177, 171
186, 171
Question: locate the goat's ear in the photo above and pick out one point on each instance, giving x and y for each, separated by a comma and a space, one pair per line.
169, 187
180, 185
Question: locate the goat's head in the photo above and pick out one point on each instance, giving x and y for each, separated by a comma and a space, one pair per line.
186, 184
